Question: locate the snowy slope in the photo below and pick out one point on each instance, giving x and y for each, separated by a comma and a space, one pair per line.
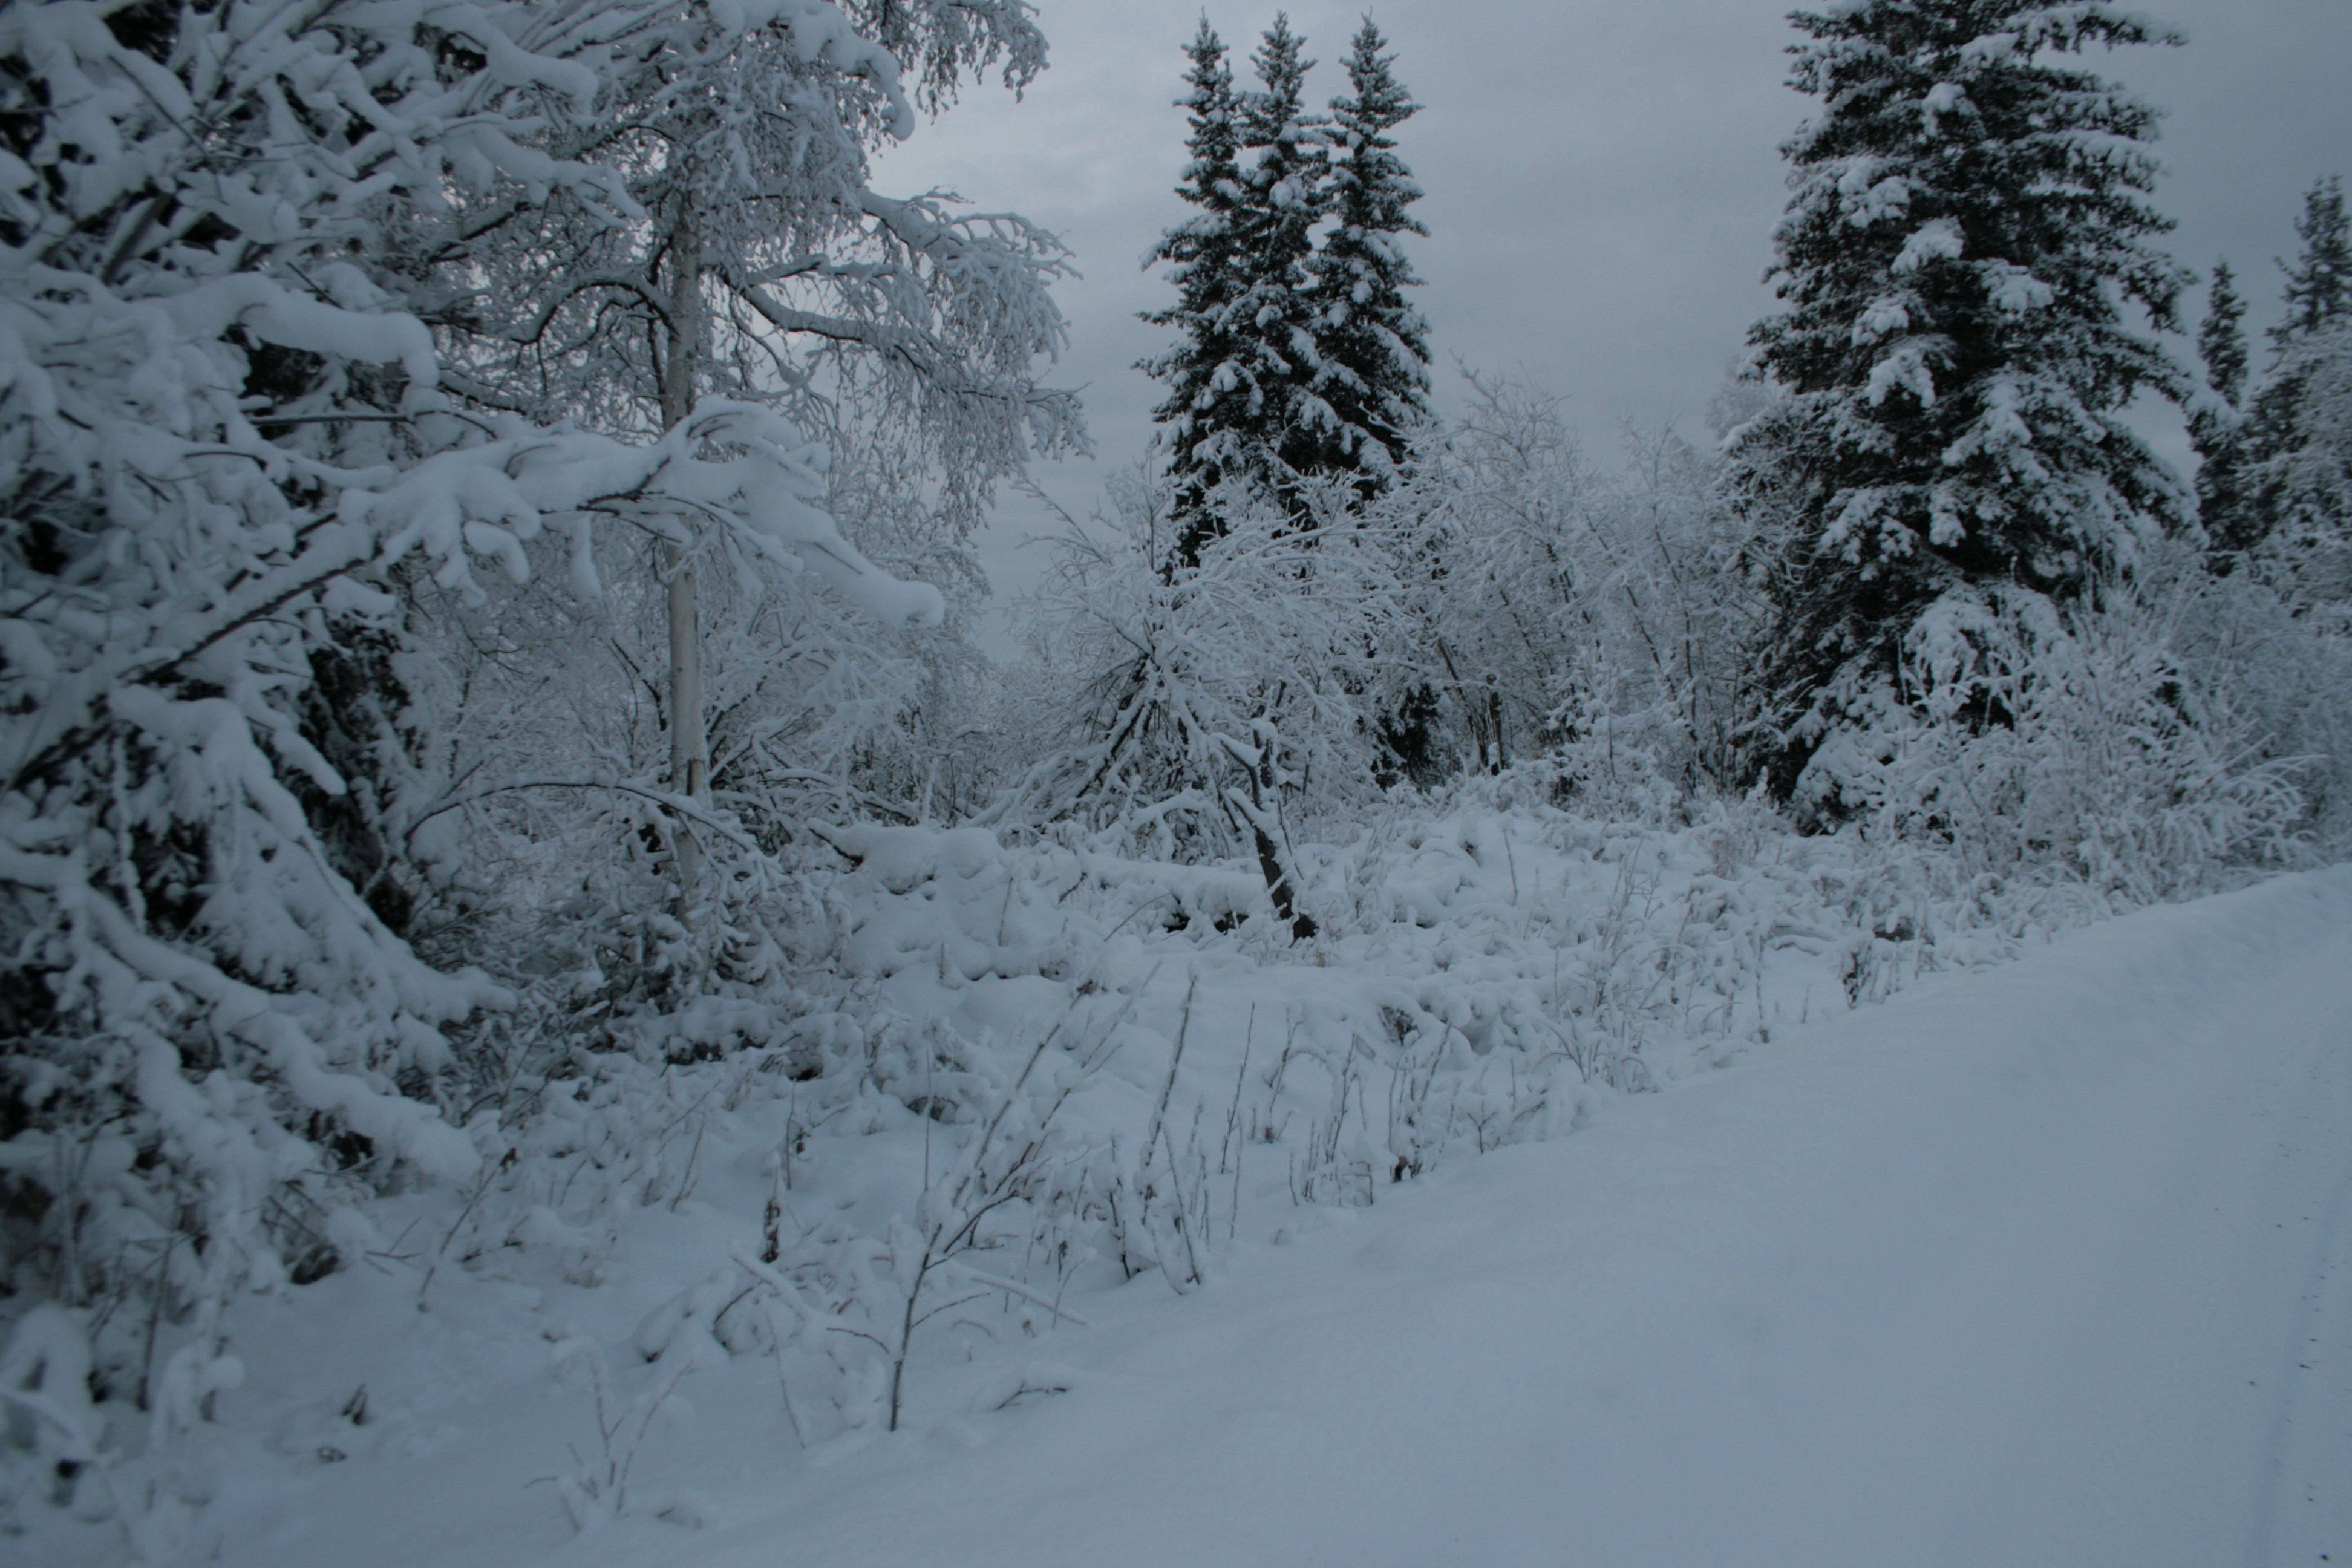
2048, 1264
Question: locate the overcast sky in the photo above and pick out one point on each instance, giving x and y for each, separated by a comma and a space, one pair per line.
1603, 176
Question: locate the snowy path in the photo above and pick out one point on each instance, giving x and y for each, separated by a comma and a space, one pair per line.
2050, 1266
2047, 1266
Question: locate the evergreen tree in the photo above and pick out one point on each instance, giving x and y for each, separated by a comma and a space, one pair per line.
2297, 480
1374, 344
2222, 340
1242, 405
2216, 430
1967, 224
2319, 285
1288, 183
1208, 407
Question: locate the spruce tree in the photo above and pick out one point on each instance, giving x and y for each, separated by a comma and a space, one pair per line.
1241, 406
2222, 340
2297, 463
1208, 408
2319, 285
2216, 428
1967, 223
1288, 180
1374, 344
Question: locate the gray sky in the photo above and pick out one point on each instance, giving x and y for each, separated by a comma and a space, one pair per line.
1602, 180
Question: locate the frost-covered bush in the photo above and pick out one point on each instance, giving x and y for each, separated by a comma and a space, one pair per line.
2283, 665
1561, 609
2031, 742
1201, 706
1504, 601
551, 744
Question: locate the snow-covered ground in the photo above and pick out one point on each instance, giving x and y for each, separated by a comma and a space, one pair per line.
2044, 1264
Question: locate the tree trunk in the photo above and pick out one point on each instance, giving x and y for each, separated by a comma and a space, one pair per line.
1270, 865
689, 761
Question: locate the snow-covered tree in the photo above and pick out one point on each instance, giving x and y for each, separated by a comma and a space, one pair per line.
1372, 342
2216, 427
213, 420
768, 269
1244, 404
2319, 283
1206, 409
1289, 179
1967, 226
2296, 456
293, 338
1300, 355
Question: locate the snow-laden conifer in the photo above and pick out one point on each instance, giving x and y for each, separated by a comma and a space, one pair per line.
1244, 405
2319, 283
1208, 407
1300, 355
1286, 167
2216, 425
1373, 343
2297, 462
1966, 228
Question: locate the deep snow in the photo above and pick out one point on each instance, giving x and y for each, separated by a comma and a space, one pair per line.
2050, 1264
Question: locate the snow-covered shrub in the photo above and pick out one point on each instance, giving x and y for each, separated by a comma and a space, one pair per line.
2035, 742
596, 1490
1503, 600
1560, 609
2283, 667
550, 748
1201, 706
1013, 1177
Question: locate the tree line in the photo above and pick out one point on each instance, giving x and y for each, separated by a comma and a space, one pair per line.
490, 495
1971, 282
